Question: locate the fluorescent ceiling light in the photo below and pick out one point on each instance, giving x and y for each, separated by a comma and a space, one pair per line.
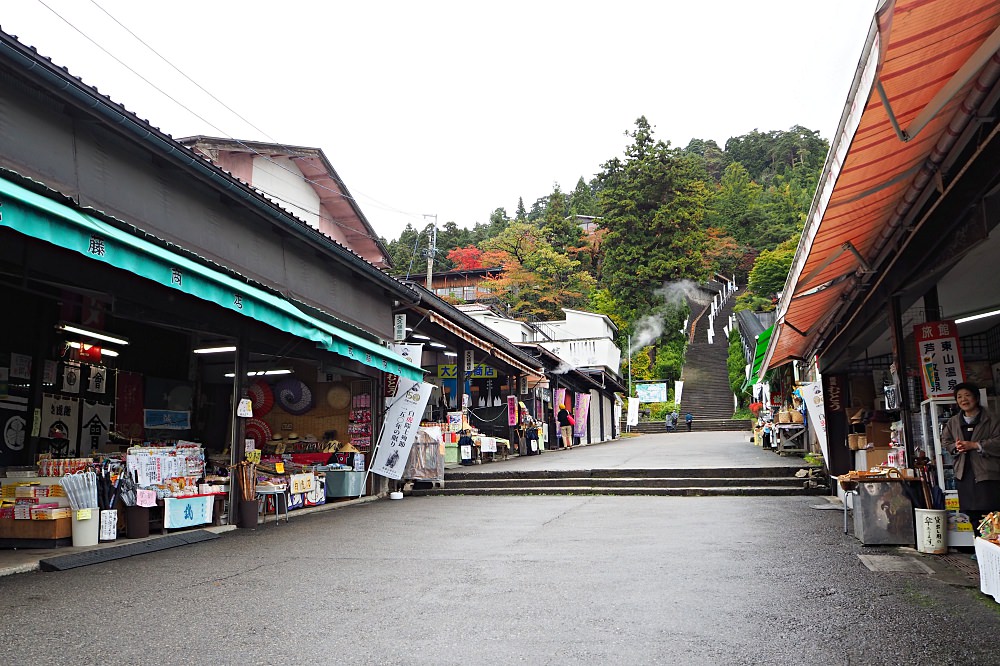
104, 352
96, 335
450, 353
981, 315
214, 350
417, 336
261, 373
438, 345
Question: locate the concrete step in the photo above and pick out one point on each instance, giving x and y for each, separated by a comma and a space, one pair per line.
459, 474
692, 491
624, 482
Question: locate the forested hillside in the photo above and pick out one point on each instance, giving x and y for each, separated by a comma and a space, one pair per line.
666, 215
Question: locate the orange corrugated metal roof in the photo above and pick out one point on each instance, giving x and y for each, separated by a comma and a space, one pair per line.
918, 47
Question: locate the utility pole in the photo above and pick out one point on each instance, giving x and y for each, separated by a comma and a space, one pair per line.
431, 250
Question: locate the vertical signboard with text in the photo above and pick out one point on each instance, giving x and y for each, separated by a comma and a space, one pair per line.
939, 358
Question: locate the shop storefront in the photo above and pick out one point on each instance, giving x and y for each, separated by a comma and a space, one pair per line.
168, 322
889, 305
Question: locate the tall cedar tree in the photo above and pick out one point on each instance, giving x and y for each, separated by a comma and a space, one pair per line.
654, 205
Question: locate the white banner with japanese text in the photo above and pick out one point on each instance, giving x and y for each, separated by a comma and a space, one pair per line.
402, 420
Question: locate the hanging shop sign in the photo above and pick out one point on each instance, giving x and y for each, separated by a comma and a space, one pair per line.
478, 370
940, 358
512, 410
399, 327
470, 361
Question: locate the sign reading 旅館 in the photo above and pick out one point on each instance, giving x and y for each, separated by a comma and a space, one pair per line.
940, 358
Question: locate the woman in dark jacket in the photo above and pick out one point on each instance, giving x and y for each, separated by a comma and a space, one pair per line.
565, 427
973, 438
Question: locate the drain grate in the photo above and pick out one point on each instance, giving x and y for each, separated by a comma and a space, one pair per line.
963, 563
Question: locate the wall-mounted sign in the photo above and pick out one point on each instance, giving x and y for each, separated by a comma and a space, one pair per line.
940, 358
470, 360
399, 327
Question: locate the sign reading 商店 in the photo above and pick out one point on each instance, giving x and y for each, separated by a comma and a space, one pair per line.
939, 358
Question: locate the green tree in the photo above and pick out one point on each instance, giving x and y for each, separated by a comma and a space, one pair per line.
521, 215
654, 204
770, 271
406, 251
582, 200
736, 367
734, 207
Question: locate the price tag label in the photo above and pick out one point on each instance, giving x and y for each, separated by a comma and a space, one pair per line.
279, 468
951, 504
83, 514
963, 527
254, 456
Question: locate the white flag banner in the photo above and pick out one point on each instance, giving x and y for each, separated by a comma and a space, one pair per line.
633, 412
411, 352
812, 395
402, 420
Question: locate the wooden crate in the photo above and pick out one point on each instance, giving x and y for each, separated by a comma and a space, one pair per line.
60, 528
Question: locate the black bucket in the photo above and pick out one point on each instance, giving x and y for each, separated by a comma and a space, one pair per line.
247, 514
136, 522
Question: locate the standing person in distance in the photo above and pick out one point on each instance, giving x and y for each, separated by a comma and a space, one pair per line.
565, 426
973, 438
689, 418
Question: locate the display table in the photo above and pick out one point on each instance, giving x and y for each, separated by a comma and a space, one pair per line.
988, 559
791, 438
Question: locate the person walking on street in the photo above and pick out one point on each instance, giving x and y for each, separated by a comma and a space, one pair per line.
565, 426
688, 418
670, 422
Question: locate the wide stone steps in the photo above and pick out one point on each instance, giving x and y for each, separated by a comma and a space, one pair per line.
762, 481
700, 424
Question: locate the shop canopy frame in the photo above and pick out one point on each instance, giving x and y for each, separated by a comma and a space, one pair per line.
926, 67
42, 218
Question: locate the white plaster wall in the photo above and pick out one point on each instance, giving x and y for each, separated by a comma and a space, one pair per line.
281, 178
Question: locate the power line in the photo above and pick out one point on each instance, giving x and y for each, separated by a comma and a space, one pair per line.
299, 176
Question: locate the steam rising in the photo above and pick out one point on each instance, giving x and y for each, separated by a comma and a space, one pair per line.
650, 327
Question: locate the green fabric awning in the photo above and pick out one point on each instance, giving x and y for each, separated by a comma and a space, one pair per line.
758, 356
44, 219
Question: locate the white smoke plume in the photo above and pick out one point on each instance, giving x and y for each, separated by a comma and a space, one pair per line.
563, 368
650, 327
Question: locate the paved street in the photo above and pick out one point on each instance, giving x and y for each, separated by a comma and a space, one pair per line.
498, 580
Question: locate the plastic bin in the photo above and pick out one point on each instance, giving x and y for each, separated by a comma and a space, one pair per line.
345, 484
87, 529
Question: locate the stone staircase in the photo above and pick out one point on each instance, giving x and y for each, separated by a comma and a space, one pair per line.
707, 394
747, 481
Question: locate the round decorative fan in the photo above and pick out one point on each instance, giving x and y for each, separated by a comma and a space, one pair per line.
261, 397
258, 431
293, 396
339, 396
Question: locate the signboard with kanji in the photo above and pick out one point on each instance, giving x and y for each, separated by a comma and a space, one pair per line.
939, 358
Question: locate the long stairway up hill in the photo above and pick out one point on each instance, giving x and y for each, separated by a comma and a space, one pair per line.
707, 394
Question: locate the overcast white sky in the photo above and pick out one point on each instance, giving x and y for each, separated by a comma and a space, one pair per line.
457, 108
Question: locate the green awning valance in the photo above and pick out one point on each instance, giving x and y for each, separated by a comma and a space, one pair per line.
758, 357
44, 219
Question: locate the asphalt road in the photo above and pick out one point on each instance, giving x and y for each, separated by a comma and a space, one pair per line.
501, 580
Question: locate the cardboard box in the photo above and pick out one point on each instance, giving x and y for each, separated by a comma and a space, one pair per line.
879, 434
865, 459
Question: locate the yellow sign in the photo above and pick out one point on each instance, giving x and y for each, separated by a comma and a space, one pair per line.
279, 468
450, 371
951, 504
254, 456
963, 527
83, 514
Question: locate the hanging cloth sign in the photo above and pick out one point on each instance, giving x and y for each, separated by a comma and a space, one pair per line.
60, 417
96, 423
71, 377
98, 379
580, 409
